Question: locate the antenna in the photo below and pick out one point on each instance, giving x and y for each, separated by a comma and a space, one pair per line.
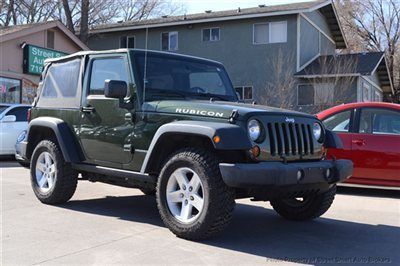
145, 66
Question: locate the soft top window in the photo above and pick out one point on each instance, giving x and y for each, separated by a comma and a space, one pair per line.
61, 86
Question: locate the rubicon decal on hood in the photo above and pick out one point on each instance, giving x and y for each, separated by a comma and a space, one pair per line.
198, 112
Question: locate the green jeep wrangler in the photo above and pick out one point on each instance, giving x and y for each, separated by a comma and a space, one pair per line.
173, 126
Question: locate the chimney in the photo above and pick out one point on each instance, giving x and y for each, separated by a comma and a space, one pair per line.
239, 10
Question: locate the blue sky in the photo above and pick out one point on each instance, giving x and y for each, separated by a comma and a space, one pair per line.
198, 6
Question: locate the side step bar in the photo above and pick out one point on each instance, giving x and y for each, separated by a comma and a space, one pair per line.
118, 173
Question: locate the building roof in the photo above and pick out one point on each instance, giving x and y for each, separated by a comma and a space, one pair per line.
360, 64
324, 6
17, 31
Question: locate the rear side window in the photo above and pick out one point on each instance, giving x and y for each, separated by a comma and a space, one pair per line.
61, 87
106, 68
339, 122
380, 121
21, 113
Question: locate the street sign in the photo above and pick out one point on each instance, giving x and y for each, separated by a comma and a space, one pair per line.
34, 57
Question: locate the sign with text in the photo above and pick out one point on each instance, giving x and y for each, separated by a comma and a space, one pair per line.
34, 57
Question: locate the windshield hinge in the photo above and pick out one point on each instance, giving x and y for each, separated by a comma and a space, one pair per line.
234, 115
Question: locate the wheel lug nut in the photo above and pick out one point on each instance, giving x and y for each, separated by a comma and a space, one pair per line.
190, 188
184, 187
191, 198
181, 195
186, 202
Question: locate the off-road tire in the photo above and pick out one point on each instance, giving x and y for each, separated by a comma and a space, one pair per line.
219, 199
66, 178
313, 207
148, 191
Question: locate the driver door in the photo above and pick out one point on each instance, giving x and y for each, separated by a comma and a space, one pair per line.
105, 127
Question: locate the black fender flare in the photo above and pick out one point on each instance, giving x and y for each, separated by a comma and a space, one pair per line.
232, 137
66, 139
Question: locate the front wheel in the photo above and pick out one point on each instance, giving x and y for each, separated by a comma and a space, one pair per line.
193, 201
306, 208
53, 180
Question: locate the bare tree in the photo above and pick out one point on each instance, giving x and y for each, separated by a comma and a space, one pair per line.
376, 25
7, 13
278, 92
332, 85
139, 10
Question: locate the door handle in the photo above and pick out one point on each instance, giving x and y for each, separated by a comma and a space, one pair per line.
359, 142
87, 109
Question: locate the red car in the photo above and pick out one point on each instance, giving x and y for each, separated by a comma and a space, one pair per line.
370, 133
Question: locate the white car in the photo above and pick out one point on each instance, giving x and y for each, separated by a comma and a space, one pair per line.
13, 123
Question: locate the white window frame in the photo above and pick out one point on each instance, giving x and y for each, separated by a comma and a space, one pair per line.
297, 98
242, 88
219, 34
127, 41
170, 33
269, 31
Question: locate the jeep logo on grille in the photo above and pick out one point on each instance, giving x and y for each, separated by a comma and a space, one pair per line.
289, 120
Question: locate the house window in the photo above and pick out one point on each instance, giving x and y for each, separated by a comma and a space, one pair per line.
261, 33
366, 92
169, 41
305, 94
10, 90
278, 32
273, 32
50, 39
127, 42
244, 92
211, 35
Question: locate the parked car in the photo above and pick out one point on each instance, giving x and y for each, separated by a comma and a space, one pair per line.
13, 123
370, 133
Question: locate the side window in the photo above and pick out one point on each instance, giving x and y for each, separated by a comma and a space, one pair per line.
106, 68
339, 122
61, 86
380, 121
21, 113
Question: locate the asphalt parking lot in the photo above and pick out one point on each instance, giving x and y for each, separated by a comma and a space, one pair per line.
105, 225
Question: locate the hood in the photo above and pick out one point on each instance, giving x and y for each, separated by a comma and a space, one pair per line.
217, 109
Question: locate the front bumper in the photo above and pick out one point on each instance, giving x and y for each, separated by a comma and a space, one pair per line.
264, 174
20, 151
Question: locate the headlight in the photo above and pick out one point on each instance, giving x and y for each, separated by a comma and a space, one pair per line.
254, 129
21, 136
317, 131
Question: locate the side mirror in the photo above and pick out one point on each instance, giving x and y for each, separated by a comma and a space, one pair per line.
8, 119
116, 89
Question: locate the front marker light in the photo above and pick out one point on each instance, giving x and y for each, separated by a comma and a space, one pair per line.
254, 129
317, 131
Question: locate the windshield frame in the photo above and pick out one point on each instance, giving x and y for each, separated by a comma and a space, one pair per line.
135, 54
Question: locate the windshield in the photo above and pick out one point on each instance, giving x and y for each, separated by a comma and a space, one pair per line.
2, 108
169, 76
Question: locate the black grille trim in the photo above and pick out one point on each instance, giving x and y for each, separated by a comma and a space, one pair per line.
290, 139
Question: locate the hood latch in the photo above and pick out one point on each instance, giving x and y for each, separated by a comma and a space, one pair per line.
234, 115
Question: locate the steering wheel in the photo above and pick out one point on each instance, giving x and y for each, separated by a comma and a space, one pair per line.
198, 90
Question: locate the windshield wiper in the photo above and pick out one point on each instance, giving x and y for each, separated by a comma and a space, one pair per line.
166, 92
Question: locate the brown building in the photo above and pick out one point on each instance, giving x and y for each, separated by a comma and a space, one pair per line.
23, 49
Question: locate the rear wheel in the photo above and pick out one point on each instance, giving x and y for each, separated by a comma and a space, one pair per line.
53, 180
306, 208
193, 201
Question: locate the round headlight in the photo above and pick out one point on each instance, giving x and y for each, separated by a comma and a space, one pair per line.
317, 131
254, 129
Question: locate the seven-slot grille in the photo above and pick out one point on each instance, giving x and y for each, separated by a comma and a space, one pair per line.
288, 139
